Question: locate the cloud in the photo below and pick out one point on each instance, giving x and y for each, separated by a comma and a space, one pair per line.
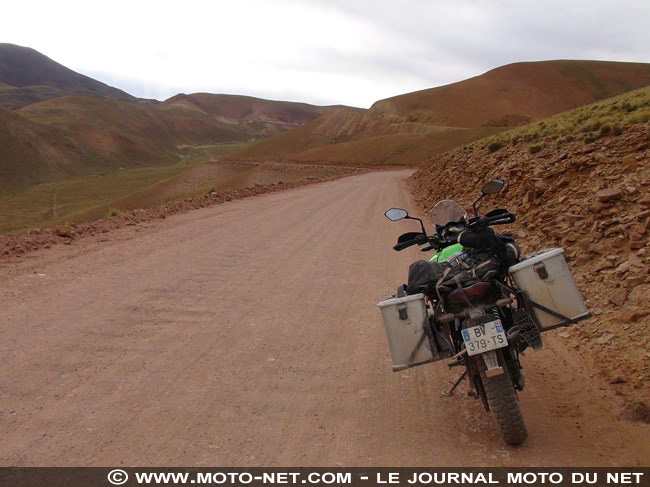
319, 51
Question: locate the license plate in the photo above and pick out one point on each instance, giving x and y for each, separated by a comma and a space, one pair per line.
483, 338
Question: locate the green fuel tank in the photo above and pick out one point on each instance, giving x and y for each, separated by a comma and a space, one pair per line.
447, 253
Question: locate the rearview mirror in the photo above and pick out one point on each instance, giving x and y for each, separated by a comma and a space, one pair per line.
493, 187
396, 214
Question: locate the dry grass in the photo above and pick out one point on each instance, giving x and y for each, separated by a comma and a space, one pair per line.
89, 198
605, 117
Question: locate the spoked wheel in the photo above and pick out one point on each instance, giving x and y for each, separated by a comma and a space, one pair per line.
504, 404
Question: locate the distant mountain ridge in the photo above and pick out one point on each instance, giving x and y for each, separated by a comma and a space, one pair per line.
269, 117
251, 109
57, 124
29, 77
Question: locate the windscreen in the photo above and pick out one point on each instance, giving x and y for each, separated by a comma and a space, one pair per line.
447, 211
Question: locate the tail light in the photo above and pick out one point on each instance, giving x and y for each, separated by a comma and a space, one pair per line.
474, 291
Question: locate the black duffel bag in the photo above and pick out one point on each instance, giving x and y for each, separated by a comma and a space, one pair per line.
422, 275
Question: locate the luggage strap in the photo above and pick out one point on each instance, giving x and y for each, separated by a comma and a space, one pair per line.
440, 281
427, 333
552, 312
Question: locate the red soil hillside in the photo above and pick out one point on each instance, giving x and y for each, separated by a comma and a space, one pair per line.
517, 93
146, 123
32, 152
73, 136
335, 138
417, 125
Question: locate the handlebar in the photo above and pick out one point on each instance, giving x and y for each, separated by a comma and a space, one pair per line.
501, 219
404, 245
448, 235
471, 234
418, 240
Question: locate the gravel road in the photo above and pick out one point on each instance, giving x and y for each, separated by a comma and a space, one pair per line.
247, 334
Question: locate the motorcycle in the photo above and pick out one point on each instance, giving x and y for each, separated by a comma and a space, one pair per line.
477, 303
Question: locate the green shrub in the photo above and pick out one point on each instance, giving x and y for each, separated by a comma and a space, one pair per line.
605, 129
494, 146
534, 149
628, 107
641, 117
113, 212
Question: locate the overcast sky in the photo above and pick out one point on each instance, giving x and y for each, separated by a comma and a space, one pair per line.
321, 51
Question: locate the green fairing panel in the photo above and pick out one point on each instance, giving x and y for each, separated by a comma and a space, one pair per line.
447, 253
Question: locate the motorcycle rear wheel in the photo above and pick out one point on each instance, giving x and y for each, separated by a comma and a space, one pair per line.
504, 404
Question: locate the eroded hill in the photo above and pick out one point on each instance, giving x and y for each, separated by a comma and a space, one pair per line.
247, 109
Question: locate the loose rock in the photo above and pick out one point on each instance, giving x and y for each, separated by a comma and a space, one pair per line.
64, 231
610, 194
605, 338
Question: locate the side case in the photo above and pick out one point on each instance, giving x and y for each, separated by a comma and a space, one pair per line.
408, 333
547, 281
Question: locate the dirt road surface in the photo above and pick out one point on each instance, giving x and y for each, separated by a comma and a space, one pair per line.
247, 334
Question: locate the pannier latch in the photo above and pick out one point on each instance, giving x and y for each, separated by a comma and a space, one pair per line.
540, 268
401, 310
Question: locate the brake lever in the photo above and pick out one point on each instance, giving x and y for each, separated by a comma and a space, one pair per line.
426, 249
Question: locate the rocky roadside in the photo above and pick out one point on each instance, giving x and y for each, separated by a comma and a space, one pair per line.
591, 197
12, 246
